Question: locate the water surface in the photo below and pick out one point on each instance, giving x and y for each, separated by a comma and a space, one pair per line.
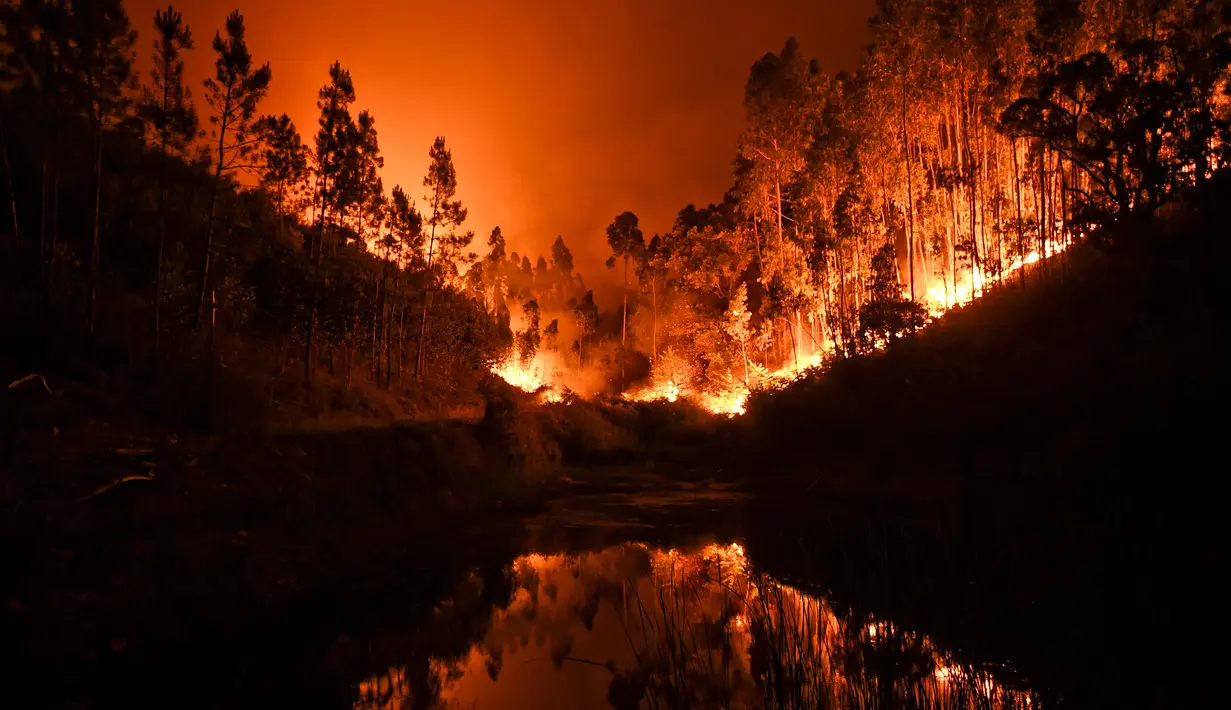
637, 626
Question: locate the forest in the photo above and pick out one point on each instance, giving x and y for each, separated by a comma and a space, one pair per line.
933, 376
155, 228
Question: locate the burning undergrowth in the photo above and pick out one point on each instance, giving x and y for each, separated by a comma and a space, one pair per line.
543, 429
718, 368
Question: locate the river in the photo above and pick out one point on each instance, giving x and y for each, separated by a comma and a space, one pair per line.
648, 598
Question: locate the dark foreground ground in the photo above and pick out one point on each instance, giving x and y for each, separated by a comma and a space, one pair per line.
1030, 481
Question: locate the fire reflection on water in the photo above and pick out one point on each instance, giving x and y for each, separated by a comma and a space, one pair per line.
633, 627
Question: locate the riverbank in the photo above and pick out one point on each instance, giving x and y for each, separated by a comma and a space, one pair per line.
127, 543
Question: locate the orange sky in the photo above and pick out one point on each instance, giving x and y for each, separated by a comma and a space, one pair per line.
560, 113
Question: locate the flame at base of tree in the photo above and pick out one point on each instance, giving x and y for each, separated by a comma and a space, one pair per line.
732, 400
528, 378
942, 297
730, 397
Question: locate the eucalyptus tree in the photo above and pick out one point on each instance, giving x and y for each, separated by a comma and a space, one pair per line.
627, 242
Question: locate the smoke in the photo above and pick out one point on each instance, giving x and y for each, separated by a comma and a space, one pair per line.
560, 115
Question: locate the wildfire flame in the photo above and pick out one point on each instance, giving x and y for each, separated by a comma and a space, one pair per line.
943, 297
732, 401
527, 379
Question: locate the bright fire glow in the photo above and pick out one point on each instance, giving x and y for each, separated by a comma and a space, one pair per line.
732, 401
528, 379
942, 297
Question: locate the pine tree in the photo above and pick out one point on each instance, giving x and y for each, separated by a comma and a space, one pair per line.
103, 61
284, 163
233, 93
368, 161
332, 140
406, 225
445, 216
167, 108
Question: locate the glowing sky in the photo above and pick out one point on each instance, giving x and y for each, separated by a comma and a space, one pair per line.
560, 113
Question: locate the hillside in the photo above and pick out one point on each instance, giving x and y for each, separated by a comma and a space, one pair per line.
1029, 478
1103, 366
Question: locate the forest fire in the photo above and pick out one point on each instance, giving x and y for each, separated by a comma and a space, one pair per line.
732, 401
942, 297
527, 379
857, 206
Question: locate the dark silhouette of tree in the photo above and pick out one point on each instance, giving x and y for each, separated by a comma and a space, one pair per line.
37, 68
445, 215
1138, 122
368, 162
167, 108
233, 93
103, 59
561, 257
887, 316
651, 270
284, 164
406, 226
585, 314
626, 242
529, 337
332, 140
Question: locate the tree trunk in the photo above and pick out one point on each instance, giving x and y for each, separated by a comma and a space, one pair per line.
8, 178
427, 304
309, 363
842, 303
743, 349
1044, 231
209, 244
778, 196
162, 219
378, 316
162, 230
94, 240
213, 326
624, 327
427, 292
44, 214
401, 343
388, 349
53, 219
910, 195
653, 319
213, 201
971, 178
350, 345
1021, 244
799, 326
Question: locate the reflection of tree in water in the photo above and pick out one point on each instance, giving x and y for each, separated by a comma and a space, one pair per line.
799, 653
435, 648
699, 631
